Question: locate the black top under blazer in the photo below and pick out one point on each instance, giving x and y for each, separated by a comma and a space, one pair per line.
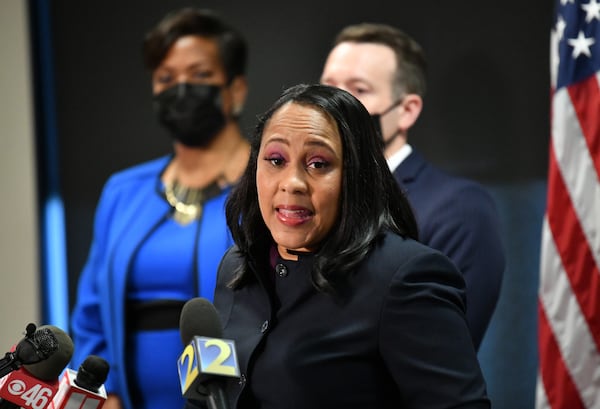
395, 337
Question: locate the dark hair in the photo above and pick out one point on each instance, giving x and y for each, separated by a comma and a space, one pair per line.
233, 49
411, 66
371, 200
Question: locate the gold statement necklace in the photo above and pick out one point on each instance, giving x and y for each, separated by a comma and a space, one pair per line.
187, 202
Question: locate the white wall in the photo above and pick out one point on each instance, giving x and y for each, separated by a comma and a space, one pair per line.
19, 261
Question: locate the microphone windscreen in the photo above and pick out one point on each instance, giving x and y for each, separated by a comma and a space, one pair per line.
51, 368
36, 346
92, 373
199, 317
46, 340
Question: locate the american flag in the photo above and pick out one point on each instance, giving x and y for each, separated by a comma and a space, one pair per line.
569, 292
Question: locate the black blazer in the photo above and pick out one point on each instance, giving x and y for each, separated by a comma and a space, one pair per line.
459, 218
396, 337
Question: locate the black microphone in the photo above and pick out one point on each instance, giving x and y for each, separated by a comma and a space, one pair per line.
35, 347
33, 385
207, 359
84, 388
92, 373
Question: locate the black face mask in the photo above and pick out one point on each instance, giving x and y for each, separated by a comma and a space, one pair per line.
376, 118
192, 113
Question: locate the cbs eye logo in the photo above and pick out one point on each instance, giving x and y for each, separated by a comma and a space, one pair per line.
16, 387
35, 397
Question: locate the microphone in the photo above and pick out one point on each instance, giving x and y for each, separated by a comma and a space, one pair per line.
207, 358
83, 389
35, 347
33, 385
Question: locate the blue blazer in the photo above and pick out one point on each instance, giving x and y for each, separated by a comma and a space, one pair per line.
459, 218
130, 206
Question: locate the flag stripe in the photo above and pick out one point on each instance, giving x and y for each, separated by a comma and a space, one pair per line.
541, 401
576, 167
576, 256
585, 96
560, 390
569, 329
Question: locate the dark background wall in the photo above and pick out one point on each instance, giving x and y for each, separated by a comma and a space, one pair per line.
486, 114
485, 117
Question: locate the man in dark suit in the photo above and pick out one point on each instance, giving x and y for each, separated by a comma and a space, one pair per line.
385, 69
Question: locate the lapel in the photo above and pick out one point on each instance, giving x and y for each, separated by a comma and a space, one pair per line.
408, 170
213, 241
145, 210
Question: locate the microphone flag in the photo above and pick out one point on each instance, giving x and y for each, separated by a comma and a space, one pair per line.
27, 391
202, 360
71, 396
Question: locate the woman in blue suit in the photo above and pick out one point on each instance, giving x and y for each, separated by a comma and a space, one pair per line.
160, 227
331, 301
